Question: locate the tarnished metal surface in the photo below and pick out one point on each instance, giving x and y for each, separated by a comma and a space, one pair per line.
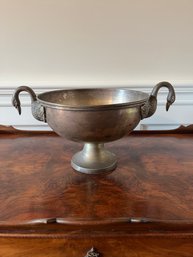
92, 99
94, 159
94, 117
38, 110
149, 108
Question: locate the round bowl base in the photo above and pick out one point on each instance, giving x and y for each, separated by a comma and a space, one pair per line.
94, 159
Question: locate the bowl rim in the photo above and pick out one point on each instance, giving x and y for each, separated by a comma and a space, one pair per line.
92, 107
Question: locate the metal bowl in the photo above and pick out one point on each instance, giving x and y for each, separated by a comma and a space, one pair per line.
94, 117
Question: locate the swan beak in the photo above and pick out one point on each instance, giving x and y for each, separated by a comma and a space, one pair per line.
168, 105
19, 109
17, 105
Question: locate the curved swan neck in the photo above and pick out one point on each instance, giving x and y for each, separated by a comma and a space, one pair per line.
163, 84
150, 106
38, 111
28, 90
15, 100
171, 94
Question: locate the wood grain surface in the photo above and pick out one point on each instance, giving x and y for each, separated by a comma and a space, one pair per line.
153, 180
110, 247
143, 208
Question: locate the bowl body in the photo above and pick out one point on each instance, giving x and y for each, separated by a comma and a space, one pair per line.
93, 126
93, 115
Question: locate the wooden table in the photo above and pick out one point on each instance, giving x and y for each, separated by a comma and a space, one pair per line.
142, 209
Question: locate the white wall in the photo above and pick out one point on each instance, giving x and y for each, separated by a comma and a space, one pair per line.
50, 44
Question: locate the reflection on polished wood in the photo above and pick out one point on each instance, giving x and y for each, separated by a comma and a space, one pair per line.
143, 208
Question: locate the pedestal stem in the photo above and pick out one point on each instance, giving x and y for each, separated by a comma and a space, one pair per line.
94, 159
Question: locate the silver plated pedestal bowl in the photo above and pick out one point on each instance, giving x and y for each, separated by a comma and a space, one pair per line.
93, 117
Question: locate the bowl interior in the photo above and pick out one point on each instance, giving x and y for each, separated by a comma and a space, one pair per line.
92, 97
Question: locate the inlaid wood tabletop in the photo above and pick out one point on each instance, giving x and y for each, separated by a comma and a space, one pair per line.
151, 189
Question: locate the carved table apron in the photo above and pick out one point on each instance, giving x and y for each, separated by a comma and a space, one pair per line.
143, 208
